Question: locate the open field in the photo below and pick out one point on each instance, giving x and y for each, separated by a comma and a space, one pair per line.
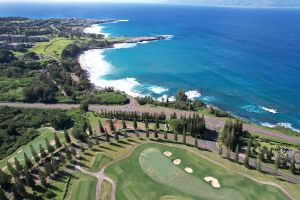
161, 178
54, 47
19, 153
106, 191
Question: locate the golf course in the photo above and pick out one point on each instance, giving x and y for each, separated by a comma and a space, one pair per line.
162, 179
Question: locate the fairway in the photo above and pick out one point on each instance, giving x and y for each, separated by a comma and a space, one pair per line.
148, 174
19, 153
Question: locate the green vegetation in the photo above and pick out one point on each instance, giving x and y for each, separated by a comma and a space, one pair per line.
17, 126
84, 188
105, 191
164, 178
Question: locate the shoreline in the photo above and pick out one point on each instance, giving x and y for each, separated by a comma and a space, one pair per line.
157, 90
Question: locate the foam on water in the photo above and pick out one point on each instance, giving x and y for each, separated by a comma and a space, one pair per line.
158, 89
95, 29
193, 94
282, 124
271, 110
124, 45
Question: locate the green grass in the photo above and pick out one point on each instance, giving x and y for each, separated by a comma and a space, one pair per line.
54, 47
11, 89
161, 178
84, 188
19, 153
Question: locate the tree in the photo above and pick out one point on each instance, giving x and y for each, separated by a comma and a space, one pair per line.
5, 179
84, 106
135, 126
90, 129
270, 154
147, 133
181, 96
67, 137
165, 134
146, 124
18, 165
228, 152
156, 123
258, 162
175, 136
42, 177
293, 165
107, 136
221, 150
12, 170
184, 136
20, 186
246, 159
46, 168
276, 164
49, 146
57, 142
6, 56
42, 151
124, 124
62, 158
34, 154
28, 163
155, 133
111, 126
117, 136
29, 178
236, 156
101, 127
68, 153
2, 195
196, 141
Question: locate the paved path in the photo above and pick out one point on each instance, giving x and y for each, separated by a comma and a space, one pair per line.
212, 123
101, 177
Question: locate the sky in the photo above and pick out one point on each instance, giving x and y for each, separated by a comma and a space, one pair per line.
242, 3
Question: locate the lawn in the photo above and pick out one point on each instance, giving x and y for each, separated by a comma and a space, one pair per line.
160, 178
54, 47
84, 188
19, 153
105, 191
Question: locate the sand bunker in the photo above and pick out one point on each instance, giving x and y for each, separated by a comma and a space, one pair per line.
188, 170
168, 153
177, 162
214, 181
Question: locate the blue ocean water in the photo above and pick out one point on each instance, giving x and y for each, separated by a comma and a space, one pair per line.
246, 61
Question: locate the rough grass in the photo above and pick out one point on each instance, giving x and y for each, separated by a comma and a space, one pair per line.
85, 188
182, 184
105, 191
19, 153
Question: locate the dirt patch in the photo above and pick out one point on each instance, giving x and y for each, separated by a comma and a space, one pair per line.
214, 182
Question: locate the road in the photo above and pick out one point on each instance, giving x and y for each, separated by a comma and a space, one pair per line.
212, 123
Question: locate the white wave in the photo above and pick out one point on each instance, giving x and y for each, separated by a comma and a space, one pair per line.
124, 45
281, 124
193, 94
169, 37
208, 98
164, 97
96, 65
252, 108
123, 20
274, 111
158, 89
95, 29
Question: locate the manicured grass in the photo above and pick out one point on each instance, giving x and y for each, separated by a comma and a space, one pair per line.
19, 153
84, 188
105, 191
161, 178
281, 142
54, 47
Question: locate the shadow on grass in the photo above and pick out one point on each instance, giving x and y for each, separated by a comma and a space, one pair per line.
116, 145
107, 148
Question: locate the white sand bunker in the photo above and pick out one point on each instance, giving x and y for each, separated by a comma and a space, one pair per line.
177, 162
168, 153
188, 170
214, 181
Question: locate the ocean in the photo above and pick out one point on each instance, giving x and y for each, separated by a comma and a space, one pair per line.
245, 61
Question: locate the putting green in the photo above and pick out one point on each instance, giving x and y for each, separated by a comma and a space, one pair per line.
148, 174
